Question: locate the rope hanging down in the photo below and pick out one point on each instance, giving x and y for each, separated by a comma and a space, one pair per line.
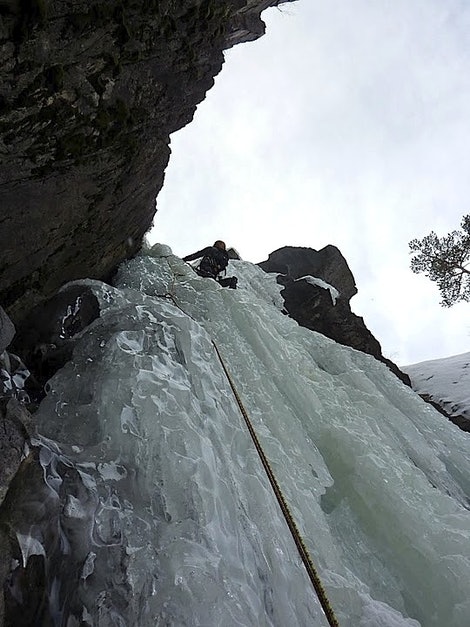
312, 573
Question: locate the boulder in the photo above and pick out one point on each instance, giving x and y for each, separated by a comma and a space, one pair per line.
327, 264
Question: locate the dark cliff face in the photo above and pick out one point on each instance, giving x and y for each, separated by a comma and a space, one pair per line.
312, 306
90, 93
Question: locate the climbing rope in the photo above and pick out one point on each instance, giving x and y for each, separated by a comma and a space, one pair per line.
312, 573
303, 551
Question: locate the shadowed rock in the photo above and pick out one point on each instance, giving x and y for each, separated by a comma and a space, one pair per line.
312, 306
45, 339
45, 520
327, 264
7, 330
89, 95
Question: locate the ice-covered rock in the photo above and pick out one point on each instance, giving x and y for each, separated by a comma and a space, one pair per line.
162, 513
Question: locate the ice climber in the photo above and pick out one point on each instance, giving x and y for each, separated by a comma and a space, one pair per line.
214, 261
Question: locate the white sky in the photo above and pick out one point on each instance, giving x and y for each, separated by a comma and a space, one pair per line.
348, 123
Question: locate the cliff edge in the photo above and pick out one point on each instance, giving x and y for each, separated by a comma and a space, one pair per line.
90, 93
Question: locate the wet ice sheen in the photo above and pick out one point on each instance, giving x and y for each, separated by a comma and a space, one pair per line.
186, 529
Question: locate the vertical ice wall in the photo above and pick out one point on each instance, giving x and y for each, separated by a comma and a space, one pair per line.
176, 522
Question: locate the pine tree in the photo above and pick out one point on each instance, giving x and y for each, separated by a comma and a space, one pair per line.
446, 261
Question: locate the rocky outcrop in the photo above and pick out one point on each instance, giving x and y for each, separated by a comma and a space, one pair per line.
89, 95
313, 306
16, 423
15, 420
7, 330
32, 512
46, 519
46, 337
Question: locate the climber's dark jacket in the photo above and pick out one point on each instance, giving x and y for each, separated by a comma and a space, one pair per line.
214, 260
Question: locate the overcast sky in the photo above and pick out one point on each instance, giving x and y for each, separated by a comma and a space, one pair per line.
348, 123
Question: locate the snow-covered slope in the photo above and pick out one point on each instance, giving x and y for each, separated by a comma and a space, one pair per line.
165, 514
445, 381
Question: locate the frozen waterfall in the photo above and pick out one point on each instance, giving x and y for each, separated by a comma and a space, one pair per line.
165, 514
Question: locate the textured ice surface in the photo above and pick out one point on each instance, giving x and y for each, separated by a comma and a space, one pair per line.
187, 530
